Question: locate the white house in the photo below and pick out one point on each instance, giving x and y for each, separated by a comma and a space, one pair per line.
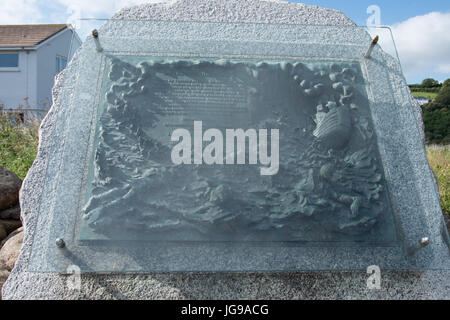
30, 57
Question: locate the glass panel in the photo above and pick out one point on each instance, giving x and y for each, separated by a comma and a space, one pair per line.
385, 40
147, 173
9, 60
327, 186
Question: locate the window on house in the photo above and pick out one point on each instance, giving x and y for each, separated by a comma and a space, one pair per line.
9, 60
61, 63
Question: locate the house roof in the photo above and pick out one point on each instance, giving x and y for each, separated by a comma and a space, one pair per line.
27, 35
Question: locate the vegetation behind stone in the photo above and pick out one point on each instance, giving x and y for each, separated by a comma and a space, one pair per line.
439, 158
18, 144
436, 114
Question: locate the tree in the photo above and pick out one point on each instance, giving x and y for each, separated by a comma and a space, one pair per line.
430, 83
436, 116
436, 119
443, 97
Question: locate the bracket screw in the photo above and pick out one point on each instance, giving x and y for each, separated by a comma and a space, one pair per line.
424, 242
372, 46
97, 41
60, 243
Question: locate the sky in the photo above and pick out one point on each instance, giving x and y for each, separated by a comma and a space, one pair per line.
421, 29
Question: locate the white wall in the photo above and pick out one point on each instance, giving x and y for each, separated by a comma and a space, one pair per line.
46, 65
16, 86
35, 76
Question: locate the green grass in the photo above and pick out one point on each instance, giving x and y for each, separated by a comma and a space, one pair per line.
18, 145
428, 95
439, 158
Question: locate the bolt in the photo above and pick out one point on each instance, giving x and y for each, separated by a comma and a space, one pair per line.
372, 45
60, 243
424, 242
97, 41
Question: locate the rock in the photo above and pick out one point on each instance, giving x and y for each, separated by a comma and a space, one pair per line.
3, 233
447, 221
10, 251
11, 213
4, 274
12, 234
419, 116
9, 189
23, 284
265, 11
10, 225
8, 256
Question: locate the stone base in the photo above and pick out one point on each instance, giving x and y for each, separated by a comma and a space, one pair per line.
318, 285
310, 286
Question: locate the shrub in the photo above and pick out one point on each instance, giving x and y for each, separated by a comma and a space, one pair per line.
18, 144
446, 83
421, 89
436, 117
443, 98
439, 158
430, 83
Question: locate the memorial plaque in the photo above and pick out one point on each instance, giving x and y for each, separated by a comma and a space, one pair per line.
235, 147
328, 186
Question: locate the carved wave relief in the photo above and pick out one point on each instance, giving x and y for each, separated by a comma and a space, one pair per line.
330, 185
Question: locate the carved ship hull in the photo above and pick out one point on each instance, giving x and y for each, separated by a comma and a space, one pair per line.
335, 128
